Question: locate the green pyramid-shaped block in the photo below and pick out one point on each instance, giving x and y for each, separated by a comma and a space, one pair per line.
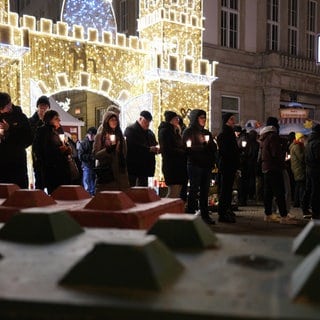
305, 282
307, 239
40, 227
184, 231
144, 263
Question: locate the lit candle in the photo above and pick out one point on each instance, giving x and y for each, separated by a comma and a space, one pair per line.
61, 136
188, 143
113, 138
206, 138
243, 143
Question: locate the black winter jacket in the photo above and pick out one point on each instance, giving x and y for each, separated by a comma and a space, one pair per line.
201, 154
312, 152
174, 159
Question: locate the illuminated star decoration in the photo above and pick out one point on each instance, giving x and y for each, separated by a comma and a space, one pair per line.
96, 14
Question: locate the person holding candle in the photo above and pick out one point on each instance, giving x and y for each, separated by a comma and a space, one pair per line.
52, 152
15, 137
142, 149
36, 121
174, 160
109, 150
201, 158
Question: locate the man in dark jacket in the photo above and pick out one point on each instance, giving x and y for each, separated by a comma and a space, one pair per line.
201, 154
173, 152
36, 121
272, 164
228, 164
142, 148
87, 161
312, 154
15, 137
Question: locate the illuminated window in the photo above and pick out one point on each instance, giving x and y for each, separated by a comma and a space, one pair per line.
311, 28
273, 25
293, 27
231, 104
229, 23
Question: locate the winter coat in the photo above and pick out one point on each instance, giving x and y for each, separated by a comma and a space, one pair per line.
229, 153
312, 152
52, 160
201, 154
85, 153
174, 159
272, 156
112, 157
297, 160
13, 159
140, 161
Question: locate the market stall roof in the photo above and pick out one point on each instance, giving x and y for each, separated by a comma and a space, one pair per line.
66, 118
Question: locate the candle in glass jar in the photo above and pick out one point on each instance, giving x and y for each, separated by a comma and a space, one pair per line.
206, 138
243, 143
188, 143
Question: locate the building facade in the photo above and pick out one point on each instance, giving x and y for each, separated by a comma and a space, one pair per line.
265, 49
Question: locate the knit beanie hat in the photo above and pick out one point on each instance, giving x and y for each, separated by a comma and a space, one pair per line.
298, 135
226, 117
169, 115
4, 99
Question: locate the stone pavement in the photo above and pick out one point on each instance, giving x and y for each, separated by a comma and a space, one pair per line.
250, 221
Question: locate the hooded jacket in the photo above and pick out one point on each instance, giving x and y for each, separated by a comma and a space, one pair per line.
112, 156
201, 154
272, 157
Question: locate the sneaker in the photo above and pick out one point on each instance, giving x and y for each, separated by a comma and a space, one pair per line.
289, 219
272, 218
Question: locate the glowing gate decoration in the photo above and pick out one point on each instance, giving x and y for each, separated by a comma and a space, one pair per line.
165, 61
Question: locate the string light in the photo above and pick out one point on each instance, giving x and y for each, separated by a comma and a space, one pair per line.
90, 14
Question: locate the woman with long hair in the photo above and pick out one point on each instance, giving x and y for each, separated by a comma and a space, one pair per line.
52, 152
109, 149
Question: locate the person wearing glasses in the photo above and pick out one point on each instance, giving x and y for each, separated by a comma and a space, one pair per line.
15, 137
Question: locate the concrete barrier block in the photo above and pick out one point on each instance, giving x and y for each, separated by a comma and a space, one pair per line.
144, 263
70, 192
142, 194
40, 227
110, 200
6, 189
305, 281
307, 239
24, 198
184, 231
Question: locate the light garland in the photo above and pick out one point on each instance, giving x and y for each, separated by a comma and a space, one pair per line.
90, 14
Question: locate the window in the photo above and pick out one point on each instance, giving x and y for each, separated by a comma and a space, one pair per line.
229, 23
273, 25
123, 16
311, 28
293, 27
231, 104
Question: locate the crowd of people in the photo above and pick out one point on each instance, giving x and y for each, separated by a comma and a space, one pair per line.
257, 166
